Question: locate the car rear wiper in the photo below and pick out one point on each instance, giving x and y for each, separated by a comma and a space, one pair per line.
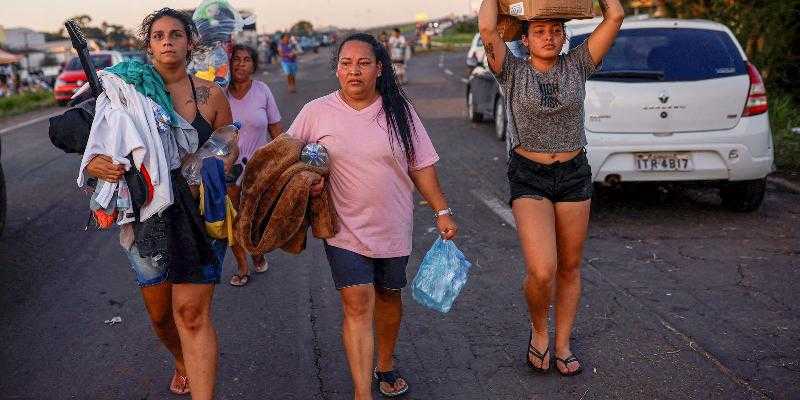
635, 74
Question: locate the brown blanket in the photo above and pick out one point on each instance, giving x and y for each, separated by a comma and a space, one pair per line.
276, 208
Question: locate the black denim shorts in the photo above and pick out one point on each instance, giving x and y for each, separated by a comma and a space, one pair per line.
352, 269
568, 181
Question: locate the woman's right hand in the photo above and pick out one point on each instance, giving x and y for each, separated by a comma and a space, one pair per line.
102, 167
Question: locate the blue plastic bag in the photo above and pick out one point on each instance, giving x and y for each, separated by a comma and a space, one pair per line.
443, 273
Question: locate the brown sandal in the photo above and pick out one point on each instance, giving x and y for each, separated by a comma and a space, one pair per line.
179, 384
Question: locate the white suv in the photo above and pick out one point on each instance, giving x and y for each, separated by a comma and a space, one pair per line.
677, 100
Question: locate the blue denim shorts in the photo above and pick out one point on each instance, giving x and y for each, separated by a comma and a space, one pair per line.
289, 67
149, 272
352, 269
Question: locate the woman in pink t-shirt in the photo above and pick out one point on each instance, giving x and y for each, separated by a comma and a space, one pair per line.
253, 105
379, 152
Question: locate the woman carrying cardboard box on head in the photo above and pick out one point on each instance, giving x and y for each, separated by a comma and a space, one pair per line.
548, 172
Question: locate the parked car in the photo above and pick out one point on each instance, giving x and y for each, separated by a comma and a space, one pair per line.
674, 101
72, 76
476, 52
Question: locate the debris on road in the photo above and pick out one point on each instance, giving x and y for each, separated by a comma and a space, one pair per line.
112, 321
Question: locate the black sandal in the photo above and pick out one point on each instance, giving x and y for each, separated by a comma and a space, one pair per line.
567, 361
531, 351
391, 378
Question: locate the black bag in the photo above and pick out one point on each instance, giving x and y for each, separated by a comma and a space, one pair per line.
70, 130
137, 186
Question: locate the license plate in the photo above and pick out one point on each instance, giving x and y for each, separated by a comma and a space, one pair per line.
655, 162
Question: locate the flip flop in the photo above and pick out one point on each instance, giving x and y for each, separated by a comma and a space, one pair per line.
568, 360
391, 378
262, 266
540, 356
240, 280
179, 384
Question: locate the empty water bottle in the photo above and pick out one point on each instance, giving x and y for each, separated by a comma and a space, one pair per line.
441, 276
218, 145
315, 155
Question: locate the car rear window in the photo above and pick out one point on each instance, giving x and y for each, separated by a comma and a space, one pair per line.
100, 61
669, 54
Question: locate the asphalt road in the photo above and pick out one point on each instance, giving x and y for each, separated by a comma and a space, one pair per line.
682, 299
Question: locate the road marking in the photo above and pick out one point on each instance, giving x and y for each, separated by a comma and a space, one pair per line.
441, 61
29, 122
448, 72
464, 80
497, 206
504, 212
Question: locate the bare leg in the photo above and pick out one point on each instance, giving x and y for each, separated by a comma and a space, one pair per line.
158, 300
292, 84
388, 313
358, 303
572, 224
535, 221
234, 192
192, 310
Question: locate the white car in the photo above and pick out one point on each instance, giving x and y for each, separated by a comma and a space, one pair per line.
677, 100
476, 52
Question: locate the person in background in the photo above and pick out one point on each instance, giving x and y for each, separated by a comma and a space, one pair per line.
549, 174
253, 105
383, 38
379, 153
286, 50
397, 51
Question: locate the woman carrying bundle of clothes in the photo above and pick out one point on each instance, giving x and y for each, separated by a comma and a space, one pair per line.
146, 109
253, 104
379, 152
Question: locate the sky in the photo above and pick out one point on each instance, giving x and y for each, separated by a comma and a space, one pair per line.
49, 15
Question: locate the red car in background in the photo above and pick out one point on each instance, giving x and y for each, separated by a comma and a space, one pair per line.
72, 76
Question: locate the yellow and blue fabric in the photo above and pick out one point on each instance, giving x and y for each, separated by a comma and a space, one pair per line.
215, 205
147, 82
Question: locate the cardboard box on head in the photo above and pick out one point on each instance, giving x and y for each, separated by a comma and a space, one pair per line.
547, 9
512, 12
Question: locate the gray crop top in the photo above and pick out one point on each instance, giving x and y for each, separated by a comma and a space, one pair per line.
546, 109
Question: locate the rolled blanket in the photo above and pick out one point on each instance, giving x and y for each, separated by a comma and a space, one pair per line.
276, 208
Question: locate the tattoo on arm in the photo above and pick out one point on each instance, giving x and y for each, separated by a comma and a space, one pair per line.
489, 51
203, 93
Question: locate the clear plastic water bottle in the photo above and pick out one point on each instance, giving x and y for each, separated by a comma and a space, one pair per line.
218, 145
315, 154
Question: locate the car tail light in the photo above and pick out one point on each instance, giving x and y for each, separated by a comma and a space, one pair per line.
757, 96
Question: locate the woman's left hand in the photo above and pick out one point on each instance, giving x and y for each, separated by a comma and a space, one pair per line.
447, 227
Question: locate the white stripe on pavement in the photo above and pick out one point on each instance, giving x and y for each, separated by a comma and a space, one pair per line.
497, 206
464, 80
448, 72
29, 122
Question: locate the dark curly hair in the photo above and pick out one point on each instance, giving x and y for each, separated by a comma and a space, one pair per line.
397, 107
186, 20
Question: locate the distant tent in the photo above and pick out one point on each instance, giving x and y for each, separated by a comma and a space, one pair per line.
8, 58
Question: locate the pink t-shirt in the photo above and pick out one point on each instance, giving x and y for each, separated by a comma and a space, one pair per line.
256, 111
369, 181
